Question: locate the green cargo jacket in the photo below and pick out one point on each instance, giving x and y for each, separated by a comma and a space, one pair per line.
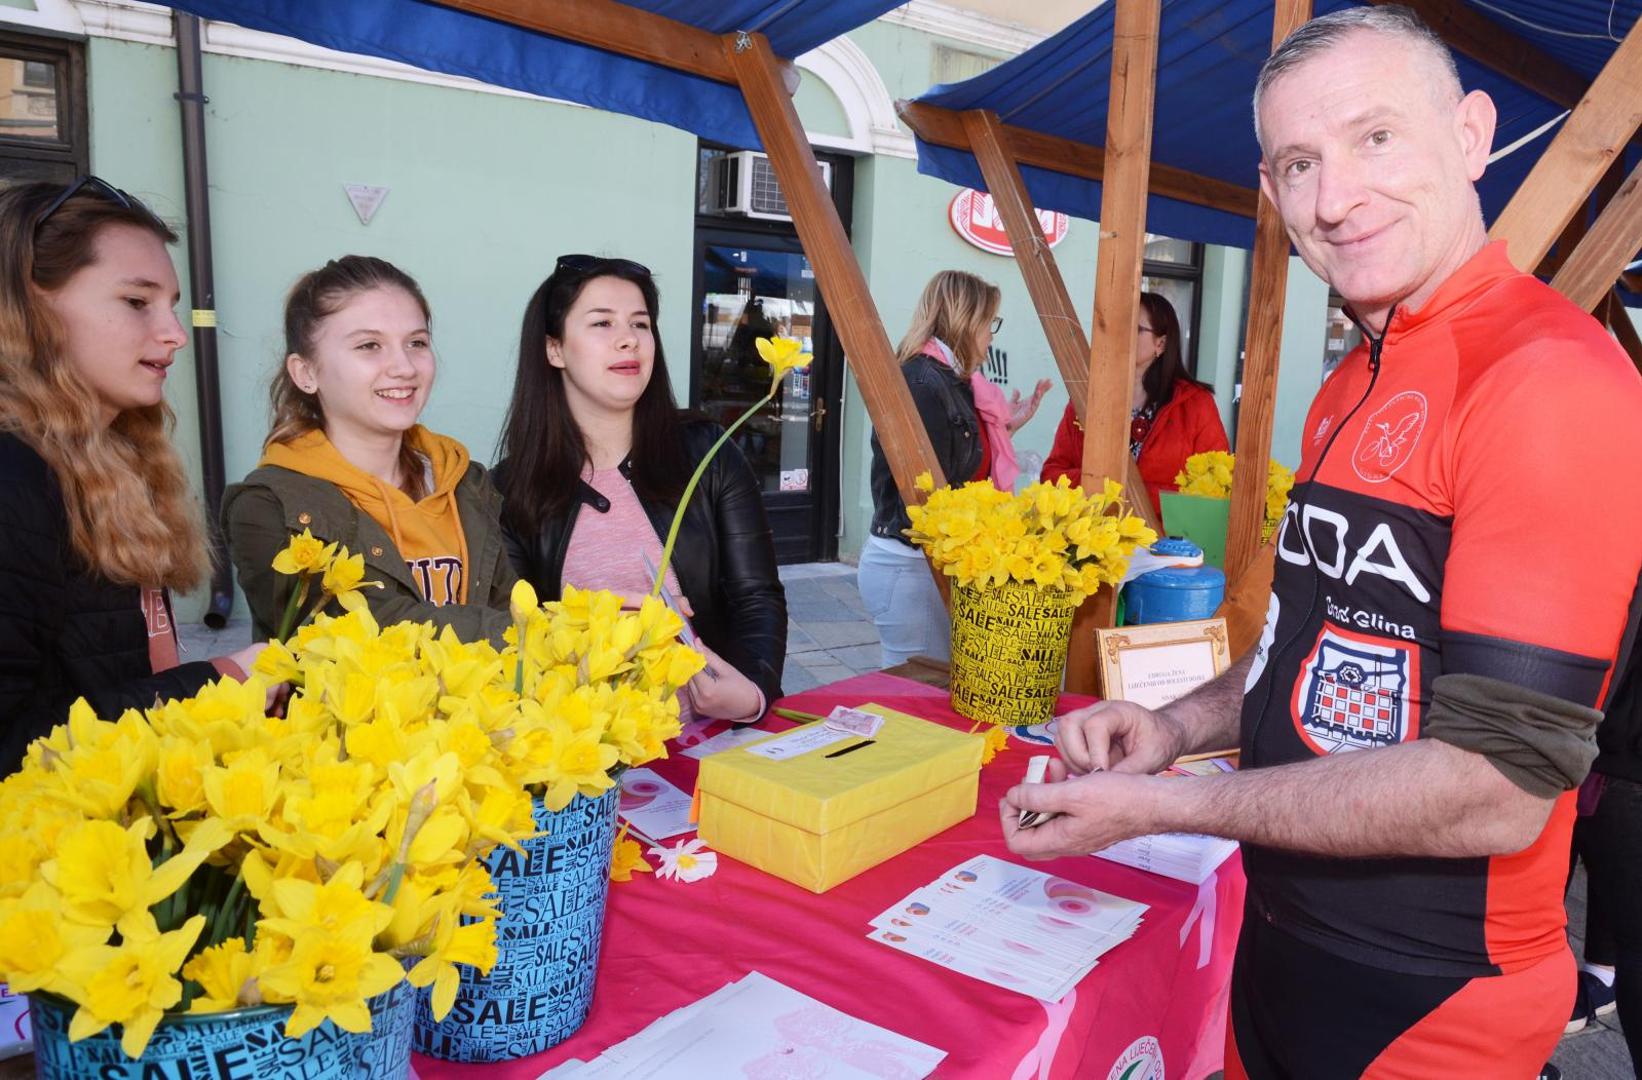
261, 514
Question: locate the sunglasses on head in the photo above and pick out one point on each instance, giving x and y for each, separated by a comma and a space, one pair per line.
584, 263
88, 185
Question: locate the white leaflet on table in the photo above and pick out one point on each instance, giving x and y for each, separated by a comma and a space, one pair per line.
724, 740
801, 741
654, 807
992, 885
1188, 857
976, 966
1046, 934
758, 1027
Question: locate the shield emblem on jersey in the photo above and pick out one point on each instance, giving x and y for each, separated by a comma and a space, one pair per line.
1354, 694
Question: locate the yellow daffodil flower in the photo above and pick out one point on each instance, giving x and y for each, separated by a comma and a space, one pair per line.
227, 977
343, 579
104, 873
627, 858
783, 354
304, 555
34, 939
130, 984
473, 944
330, 976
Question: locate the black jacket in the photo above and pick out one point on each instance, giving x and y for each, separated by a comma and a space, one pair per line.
65, 633
1619, 736
947, 404
724, 558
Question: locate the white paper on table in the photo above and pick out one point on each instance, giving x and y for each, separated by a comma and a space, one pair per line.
653, 806
975, 966
758, 1027
724, 740
801, 741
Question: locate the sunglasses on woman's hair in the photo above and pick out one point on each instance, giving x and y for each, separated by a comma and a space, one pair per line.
88, 185
583, 263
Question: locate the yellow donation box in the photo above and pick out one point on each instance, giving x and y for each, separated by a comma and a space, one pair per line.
827, 807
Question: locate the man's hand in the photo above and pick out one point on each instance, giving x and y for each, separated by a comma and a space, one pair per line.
1118, 736
1093, 812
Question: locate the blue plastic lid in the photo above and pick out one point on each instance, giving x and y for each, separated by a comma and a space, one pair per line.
1177, 546
1183, 577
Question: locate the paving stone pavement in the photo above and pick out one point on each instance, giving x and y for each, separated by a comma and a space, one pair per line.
831, 637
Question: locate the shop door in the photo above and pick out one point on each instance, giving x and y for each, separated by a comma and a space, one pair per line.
751, 285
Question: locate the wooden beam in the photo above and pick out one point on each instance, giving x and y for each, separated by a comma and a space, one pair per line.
944, 127
1128, 159
1619, 321
849, 301
1067, 341
1037, 263
1590, 140
1262, 344
614, 27
1588, 276
1474, 35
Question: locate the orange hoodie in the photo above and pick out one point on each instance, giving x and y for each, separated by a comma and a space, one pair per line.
427, 533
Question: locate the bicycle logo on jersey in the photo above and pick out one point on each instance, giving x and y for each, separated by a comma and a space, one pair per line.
1390, 436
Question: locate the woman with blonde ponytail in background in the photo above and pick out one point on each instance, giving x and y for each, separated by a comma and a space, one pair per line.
970, 426
97, 518
347, 461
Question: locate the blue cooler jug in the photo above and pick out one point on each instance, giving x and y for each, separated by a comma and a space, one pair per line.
1174, 593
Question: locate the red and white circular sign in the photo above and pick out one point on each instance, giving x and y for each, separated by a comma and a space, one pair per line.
976, 219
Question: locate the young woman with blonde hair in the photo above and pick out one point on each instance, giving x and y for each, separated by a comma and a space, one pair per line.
970, 425
98, 519
347, 461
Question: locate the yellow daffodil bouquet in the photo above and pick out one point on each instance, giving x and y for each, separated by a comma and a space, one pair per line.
1209, 475
200, 856
1055, 536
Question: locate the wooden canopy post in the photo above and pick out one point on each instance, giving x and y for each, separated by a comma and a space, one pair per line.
1588, 275
1263, 342
1594, 134
1128, 159
1619, 321
854, 314
1061, 325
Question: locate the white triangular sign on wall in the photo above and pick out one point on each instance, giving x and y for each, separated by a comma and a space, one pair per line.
365, 198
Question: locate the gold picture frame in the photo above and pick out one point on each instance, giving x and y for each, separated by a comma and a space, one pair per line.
1154, 664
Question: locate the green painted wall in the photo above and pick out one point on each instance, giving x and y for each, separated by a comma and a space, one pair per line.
485, 190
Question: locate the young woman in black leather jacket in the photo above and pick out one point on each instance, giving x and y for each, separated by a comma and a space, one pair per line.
595, 457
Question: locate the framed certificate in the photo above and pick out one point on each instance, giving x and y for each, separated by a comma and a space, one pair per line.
1154, 664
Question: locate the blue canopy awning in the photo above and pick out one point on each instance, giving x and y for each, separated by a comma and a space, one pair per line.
457, 43
1209, 55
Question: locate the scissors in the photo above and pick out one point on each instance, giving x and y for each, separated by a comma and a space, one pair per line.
667, 597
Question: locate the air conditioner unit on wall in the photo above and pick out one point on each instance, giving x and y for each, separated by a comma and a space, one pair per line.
744, 184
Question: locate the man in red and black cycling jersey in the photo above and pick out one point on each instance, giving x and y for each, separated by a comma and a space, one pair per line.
1452, 590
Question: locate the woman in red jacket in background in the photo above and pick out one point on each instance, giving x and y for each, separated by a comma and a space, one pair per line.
1172, 417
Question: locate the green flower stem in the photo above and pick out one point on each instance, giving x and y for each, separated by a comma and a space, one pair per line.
695, 478
287, 621
794, 714
227, 916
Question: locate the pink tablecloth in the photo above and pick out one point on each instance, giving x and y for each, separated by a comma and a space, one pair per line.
1158, 998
